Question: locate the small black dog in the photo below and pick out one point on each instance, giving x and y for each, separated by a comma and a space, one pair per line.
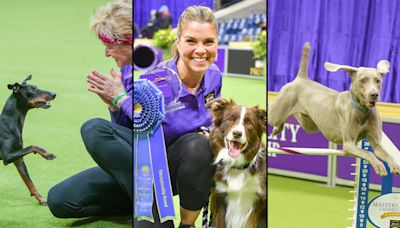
23, 98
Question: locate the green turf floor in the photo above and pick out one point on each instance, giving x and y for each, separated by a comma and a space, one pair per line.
307, 204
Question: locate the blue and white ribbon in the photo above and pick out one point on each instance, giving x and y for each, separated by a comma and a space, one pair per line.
148, 143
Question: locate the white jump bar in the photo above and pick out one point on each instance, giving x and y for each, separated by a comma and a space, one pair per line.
304, 151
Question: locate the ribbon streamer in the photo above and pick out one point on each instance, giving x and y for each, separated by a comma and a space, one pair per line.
150, 168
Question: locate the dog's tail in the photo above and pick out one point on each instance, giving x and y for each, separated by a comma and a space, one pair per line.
303, 69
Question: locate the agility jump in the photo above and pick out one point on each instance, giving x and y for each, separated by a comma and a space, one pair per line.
361, 176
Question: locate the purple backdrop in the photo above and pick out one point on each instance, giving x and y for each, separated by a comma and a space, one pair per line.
350, 32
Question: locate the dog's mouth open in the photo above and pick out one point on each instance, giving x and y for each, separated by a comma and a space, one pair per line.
43, 102
371, 104
368, 103
235, 147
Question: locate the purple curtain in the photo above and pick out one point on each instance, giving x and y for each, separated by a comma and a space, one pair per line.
349, 32
142, 9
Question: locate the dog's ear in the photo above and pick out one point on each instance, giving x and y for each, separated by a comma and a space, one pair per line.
217, 107
218, 103
262, 119
383, 67
333, 67
15, 88
26, 79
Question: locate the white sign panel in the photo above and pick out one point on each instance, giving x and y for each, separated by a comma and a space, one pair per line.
384, 211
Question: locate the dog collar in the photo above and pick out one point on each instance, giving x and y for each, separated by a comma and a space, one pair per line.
220, 164
241, 167
357, 105
235, 167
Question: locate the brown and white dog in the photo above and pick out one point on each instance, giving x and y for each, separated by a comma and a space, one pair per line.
238, 199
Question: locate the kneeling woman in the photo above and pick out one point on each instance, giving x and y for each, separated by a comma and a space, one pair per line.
107, 188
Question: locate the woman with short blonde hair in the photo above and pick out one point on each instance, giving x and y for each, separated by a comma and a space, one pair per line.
114, 22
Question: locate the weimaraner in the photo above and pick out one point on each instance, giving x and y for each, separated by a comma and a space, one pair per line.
343, 118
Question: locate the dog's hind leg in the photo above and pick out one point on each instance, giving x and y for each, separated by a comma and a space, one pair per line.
281, 108
23, 172
306, 123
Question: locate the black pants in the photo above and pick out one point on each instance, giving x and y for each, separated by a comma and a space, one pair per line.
189, 161
99, 191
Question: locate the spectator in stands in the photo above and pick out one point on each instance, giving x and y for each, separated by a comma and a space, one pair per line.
247, 38
165, 19
152, 26
263, 25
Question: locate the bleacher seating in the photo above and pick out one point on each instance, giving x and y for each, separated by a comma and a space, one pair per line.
237, 29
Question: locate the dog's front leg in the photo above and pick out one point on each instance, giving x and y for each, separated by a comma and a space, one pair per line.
23, 172
220, 218
15, 155
383, 154
218, 209
350, 148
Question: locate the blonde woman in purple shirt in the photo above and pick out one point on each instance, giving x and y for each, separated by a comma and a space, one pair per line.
194, 81
107, 188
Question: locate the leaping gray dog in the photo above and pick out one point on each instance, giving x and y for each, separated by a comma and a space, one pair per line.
343, 118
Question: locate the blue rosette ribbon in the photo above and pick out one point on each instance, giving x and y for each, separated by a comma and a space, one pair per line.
150, 161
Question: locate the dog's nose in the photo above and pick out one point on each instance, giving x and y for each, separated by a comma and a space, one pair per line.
374, 96
237, 134
53, 95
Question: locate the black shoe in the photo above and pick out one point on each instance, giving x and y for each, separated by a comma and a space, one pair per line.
186, 226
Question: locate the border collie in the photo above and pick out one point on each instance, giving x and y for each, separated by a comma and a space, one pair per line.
238, 199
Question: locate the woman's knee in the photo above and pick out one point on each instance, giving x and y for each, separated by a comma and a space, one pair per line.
197, 159
92, 127
197, 162
92, 131
197, 145
56, 203
198, 149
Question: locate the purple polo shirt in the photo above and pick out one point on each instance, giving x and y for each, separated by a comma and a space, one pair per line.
195, 114
124, 115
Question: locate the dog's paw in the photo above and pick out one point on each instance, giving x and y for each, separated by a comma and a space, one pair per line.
394, 168
49, 156
42, 202
379, 168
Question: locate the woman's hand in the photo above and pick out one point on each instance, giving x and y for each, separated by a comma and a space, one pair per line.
204, 131
206, 134
107, 88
